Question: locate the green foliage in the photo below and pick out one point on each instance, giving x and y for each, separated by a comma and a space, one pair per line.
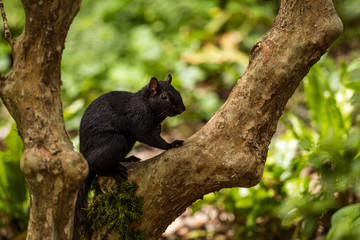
121, 44
310, 168
14, 198
345, 223
330, 144
115, 209
349, 12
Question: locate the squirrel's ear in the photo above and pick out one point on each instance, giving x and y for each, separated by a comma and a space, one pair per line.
169, 78
153, 85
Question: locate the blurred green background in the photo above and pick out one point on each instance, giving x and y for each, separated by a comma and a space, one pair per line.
310, 188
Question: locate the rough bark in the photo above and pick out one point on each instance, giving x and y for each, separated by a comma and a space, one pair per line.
31, 93
231, 149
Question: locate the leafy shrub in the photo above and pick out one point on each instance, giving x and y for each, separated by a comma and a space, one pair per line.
312, 169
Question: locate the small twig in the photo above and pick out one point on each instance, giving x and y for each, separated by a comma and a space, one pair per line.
8, 35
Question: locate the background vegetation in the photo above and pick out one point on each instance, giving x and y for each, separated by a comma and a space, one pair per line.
311, 186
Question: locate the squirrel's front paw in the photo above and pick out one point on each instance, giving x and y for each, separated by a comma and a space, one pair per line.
177, 143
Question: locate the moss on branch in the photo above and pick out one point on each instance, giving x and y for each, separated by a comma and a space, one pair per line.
115, 209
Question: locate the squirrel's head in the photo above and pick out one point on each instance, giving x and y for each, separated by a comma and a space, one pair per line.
164, 99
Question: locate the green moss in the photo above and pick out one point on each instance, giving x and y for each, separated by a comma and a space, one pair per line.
116, 210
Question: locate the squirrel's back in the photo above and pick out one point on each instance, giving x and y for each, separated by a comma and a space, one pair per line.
108, 114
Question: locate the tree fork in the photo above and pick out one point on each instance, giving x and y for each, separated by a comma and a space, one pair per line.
229, 151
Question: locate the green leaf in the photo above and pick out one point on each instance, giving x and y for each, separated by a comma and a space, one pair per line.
13, 195
354, 85
345, 223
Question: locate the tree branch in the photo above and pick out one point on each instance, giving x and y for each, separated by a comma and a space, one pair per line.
231, 149
52, 169
7, 33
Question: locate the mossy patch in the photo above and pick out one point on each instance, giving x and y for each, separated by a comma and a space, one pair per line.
114, 209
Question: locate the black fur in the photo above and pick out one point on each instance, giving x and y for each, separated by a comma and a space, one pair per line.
115, 121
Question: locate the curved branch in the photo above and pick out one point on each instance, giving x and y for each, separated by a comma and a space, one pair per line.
230, 150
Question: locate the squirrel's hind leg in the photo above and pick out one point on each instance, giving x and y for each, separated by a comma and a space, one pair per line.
106, 157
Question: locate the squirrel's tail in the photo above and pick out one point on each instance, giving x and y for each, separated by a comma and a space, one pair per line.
81, 201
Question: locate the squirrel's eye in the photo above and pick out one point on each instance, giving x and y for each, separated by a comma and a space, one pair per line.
163, 97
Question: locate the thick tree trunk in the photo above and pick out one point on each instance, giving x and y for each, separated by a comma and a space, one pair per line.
31, 92
230, 150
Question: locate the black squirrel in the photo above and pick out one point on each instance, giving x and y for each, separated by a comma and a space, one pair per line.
114, 122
